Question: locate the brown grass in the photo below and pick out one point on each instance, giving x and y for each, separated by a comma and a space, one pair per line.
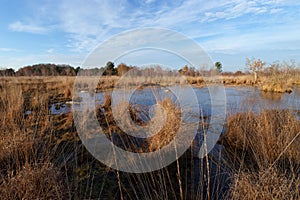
169, 131
33, 182
163, 135
277, 83
26, 168
264, 153
41, 156
266, 136
269, 184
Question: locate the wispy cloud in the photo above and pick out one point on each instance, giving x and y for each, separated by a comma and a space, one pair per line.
87, 24
50, 50
237, 8
29, 28
7, 49
227, 27
275, 10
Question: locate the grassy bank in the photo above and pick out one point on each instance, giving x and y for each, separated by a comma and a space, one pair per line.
62, 86
42, 157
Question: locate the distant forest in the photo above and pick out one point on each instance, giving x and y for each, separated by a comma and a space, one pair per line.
65, 70
41, 70
109, 70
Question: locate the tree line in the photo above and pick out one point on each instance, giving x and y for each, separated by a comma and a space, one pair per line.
41, 70
65, 70
253, 66
109, 70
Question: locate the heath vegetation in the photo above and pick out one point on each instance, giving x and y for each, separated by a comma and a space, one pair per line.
42, 157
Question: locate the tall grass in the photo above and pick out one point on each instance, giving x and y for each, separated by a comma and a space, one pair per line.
42, 157
186, 178
264, 155
26, 170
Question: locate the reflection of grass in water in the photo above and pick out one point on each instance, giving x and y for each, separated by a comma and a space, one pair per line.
272, 96
41, 155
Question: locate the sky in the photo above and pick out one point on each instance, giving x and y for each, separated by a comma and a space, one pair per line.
229, 31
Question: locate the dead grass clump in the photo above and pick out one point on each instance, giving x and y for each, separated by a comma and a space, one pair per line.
237, 80
277, 83
107, 101
137, 119
269, 184
170, 128
68, 93
33, 182
294, 80
263, 155
270, 136
11, 105
15, 150
193, 80
275, 87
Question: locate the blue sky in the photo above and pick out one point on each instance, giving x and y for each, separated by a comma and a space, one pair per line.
65, 31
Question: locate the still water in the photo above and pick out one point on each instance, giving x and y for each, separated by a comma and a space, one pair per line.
236, 99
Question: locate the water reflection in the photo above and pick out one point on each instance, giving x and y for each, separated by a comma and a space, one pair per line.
60, 108
276, 97
238, 99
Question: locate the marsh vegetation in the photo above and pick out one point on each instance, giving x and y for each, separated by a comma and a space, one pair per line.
42, 156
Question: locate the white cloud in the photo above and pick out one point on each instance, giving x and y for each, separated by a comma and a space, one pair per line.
86, 23
7, 50
237, 8
275, 10
29, 28
222, 26
50, 50
89, 22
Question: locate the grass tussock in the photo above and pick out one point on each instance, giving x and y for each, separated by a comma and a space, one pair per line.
277, 84
267, 137
264, 155
270, 184
276, 87
164, 126
33, 182
170, 128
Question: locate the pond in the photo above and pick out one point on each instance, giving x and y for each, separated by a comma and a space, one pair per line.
238, 99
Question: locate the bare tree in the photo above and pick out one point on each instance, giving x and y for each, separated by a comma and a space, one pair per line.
255, 66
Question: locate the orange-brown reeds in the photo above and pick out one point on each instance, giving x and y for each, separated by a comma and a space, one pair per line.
264, 150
